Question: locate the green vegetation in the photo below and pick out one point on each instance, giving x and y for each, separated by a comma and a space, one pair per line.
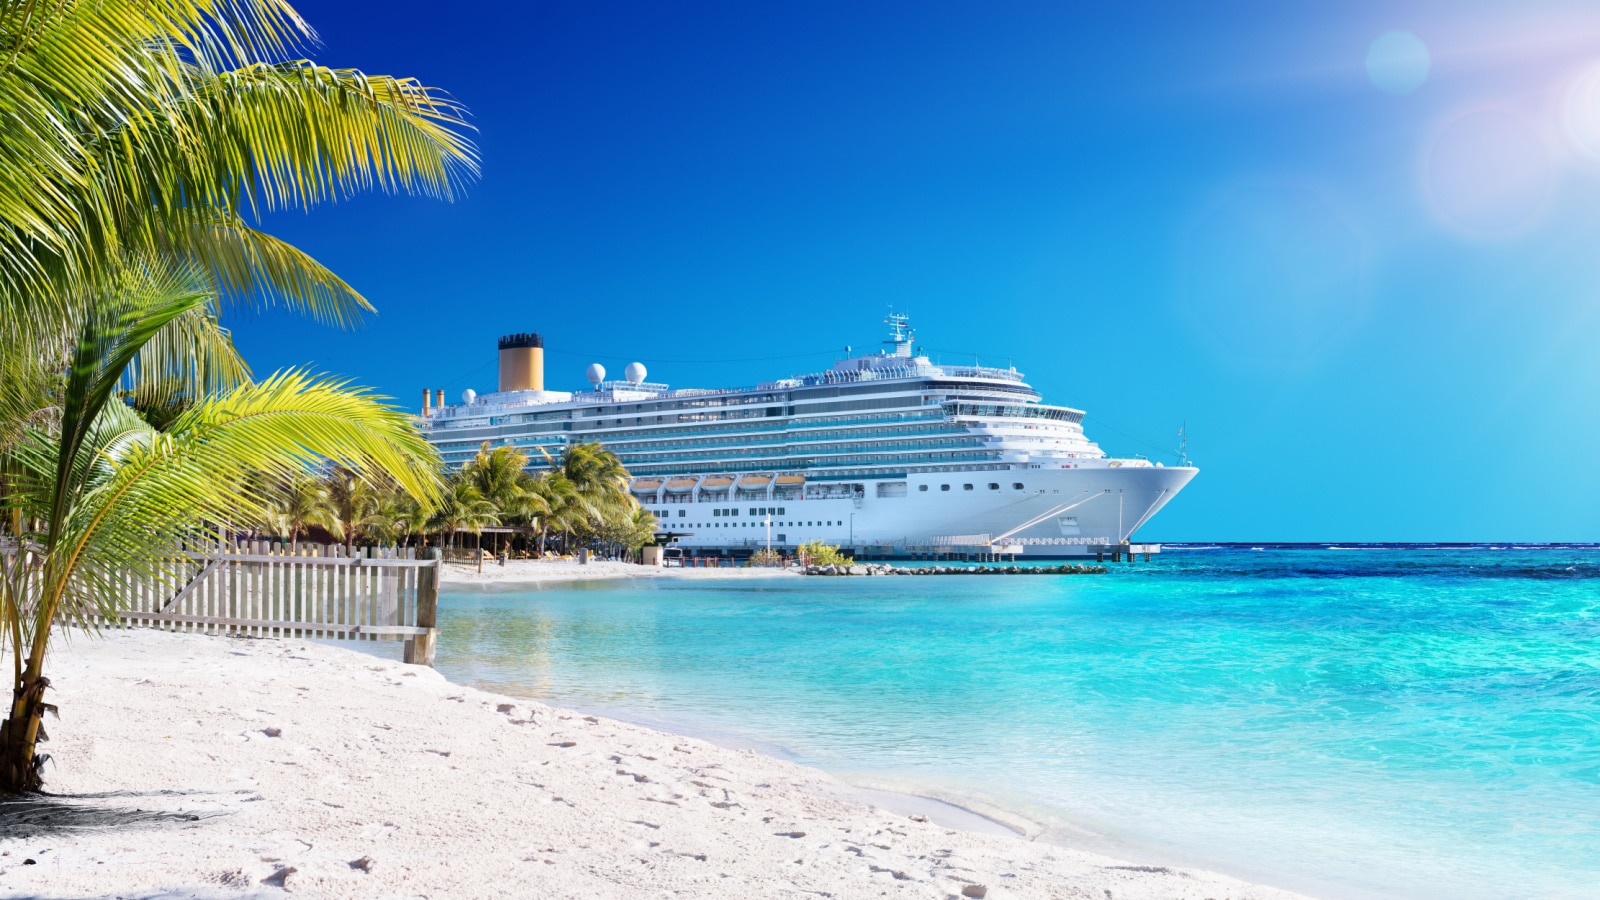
817, 553
582, 501
142, 137
765, 558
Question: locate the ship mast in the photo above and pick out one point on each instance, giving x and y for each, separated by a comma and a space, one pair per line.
900, 333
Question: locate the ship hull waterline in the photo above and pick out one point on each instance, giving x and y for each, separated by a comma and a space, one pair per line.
1079, 511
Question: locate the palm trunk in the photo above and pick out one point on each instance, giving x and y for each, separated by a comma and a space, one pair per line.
21, 733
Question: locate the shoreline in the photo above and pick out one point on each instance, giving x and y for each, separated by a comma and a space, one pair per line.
523, 572
966, 809
975, 811
329, 771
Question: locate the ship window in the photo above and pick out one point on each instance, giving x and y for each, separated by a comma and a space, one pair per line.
1016, 485
781, 512
944, 487
753, 511
734, 511
993, 486
966, 487
682, 513
922, 487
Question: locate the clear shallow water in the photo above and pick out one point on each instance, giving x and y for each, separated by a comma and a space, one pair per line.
1394, 722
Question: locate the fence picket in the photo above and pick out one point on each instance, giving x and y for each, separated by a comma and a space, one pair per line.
269, 589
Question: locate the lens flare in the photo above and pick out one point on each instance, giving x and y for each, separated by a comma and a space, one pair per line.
1398, 62
1581, 114
1488, 172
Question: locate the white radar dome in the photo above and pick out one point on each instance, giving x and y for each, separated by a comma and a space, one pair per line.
635, 373
597, 374
468, 396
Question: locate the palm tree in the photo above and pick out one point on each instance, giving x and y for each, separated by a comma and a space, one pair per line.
383, 522
350, 498
140, 139
412, 518
106, 495
300, 501
461, 507
555, 498
499, 475
136, 128
628, 532
599, 487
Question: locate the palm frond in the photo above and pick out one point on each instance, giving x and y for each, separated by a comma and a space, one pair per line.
253, 268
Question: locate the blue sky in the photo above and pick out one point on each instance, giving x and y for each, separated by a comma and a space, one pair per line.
1376, 311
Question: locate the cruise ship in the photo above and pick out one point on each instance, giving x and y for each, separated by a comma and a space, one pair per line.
887, 453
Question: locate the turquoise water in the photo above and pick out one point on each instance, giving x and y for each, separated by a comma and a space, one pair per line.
1351, 723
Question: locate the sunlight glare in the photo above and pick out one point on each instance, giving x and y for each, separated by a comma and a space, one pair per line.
1488, 172
1581, 113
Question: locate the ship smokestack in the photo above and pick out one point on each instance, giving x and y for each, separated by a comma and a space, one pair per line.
438, 402
522, 362
427, 403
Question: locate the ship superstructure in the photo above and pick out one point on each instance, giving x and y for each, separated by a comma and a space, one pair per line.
889, 453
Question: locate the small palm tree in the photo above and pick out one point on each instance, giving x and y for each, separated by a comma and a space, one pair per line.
300, 502
499, 475
389, 514
104, 495
462, 508
553, 495
596, 489
597, 475
349, 498
413, 518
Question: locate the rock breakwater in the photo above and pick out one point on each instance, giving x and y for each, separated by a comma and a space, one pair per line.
955, 570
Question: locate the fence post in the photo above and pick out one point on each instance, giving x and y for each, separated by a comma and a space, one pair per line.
419, 649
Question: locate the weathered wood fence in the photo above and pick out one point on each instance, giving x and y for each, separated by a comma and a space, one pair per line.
257, 588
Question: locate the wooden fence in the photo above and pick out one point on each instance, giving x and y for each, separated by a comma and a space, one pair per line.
257, 588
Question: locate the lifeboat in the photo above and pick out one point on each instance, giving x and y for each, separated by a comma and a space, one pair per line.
753, 482
791, 479
680, 485
716, 481
646, 485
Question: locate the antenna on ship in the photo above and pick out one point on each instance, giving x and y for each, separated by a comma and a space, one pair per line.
900, 332
1183, 444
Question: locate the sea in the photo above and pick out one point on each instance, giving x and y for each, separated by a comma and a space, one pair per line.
1348, 720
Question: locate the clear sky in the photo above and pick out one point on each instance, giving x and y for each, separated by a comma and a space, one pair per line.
1356, 248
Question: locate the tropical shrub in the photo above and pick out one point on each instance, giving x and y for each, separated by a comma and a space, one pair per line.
766, 558
817, 553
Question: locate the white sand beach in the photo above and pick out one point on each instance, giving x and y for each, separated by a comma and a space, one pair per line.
537, 571
324, 772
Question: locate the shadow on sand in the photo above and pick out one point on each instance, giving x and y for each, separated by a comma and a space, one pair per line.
38, 815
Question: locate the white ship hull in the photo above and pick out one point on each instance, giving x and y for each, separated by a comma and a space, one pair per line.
1073, 511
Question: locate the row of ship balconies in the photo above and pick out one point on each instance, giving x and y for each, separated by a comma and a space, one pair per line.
778, 450
880, 437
